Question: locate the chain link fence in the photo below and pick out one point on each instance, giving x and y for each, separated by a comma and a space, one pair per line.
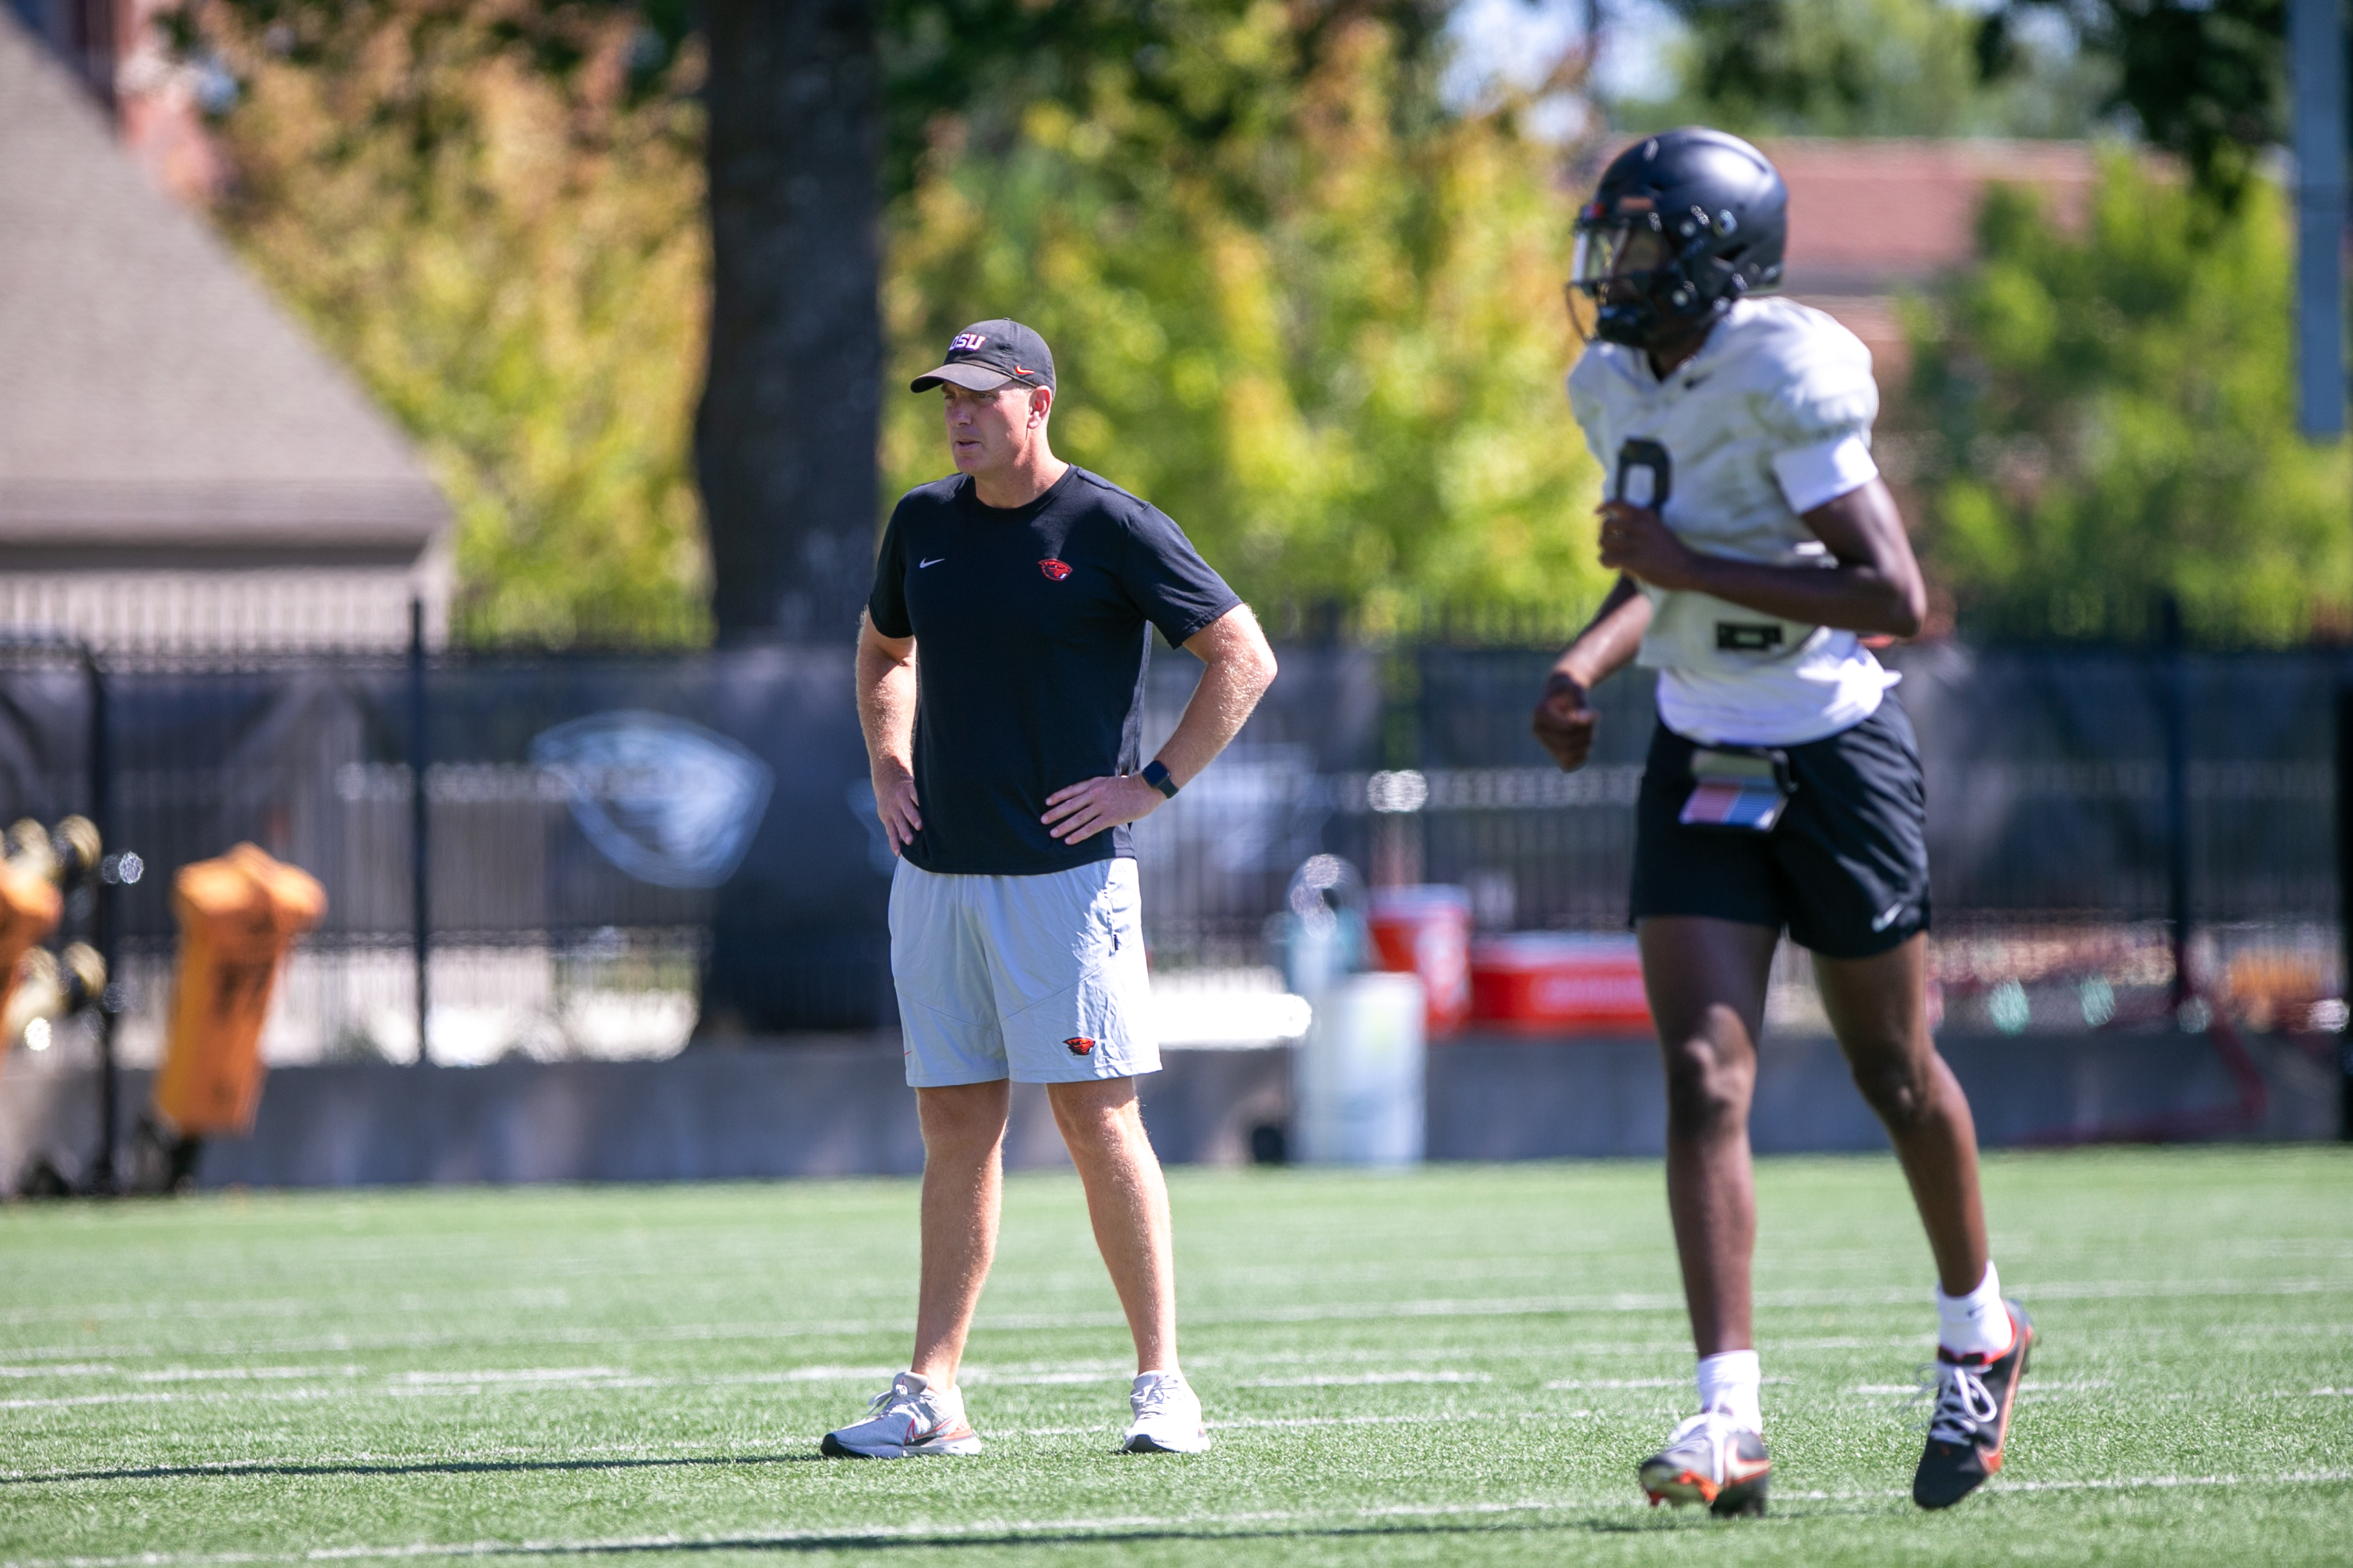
625, 850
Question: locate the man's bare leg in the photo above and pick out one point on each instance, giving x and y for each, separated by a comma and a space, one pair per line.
1128, 1200
1706, 981
964, 1185
1878, 1008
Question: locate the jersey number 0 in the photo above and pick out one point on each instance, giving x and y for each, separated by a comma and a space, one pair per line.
1643, 473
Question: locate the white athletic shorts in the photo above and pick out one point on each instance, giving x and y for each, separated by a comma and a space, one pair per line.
1039, 979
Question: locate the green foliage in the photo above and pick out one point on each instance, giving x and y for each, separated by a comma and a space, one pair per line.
986, 62
491, 212
2116, 411
2205, 78
1869, 68
1326, 340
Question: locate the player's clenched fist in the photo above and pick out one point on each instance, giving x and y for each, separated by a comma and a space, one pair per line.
1636, 541
1564, 722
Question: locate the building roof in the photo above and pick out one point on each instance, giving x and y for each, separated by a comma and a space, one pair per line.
1874, 217
156, 409
1870, 221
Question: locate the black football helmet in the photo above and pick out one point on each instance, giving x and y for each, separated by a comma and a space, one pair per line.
1683, 224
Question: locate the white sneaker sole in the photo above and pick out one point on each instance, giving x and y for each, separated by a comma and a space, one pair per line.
833, 1448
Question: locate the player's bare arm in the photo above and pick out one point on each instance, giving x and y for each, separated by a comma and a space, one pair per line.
886, 711
1876, 587
1564, 720
1239, 667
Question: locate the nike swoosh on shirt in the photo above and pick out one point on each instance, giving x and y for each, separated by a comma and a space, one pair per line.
932, 562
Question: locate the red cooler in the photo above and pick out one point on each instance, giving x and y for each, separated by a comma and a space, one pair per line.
1427, 931
1547, 982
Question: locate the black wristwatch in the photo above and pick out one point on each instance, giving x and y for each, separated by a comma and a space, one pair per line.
1157, 775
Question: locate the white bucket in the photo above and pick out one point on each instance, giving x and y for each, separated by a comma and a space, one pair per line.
1357, 1080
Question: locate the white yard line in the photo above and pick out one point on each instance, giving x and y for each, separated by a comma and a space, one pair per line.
243, 1374
62, 1402
1240, 1423
1366, 1379
511, 1375
1466, 1307
71, 1369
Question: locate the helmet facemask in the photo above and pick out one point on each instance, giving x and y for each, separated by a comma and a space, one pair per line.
1646, 285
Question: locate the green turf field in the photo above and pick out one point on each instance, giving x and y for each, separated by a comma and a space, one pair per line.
1459, 1366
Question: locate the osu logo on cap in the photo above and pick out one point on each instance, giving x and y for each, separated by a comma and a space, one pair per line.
1080, 1044
1055, 570
965, 342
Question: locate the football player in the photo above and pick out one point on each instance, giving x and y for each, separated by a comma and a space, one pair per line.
1758, 548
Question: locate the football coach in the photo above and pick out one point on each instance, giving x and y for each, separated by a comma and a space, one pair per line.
1000, 684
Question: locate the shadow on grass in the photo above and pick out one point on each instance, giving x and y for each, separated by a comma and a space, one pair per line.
852, 1541
396, 1467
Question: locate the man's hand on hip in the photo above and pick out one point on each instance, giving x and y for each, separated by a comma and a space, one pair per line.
1083, 810
894, 803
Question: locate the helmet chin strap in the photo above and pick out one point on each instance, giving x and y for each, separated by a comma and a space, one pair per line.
1640, 324
1667, 353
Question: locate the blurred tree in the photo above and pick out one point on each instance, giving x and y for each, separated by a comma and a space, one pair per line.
1872, 67
1327, 337
2116, 417
493, 214
2205, 78
784, 434
982, 63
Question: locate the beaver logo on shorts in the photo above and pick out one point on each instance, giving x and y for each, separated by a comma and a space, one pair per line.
1080, 1044
1055, 570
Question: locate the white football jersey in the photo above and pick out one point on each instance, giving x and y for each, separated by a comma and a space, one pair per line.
1771, 418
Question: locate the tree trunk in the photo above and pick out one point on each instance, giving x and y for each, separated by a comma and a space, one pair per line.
784, 439
785, 451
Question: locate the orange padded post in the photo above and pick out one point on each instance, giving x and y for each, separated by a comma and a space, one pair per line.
29, 907
238, 915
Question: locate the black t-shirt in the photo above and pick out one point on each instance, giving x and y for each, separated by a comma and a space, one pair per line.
1031, 637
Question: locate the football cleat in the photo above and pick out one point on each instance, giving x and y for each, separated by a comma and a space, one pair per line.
1974, 1395
909, 1419
1167, 1417
1711, 1459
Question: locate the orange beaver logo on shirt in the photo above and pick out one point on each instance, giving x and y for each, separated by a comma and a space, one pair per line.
1055, 570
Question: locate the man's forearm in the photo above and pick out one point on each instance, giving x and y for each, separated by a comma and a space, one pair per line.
1610, 640
1855, 598
1229, 689
886, 709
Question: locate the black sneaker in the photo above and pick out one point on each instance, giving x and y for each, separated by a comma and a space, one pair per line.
1975, 1395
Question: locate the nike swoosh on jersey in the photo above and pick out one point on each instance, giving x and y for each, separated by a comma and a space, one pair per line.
932, 562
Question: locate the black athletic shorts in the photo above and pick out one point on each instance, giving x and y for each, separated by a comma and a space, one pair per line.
1845, 869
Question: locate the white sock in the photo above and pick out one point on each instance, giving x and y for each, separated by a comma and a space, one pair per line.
1731, 1382
1977, 1323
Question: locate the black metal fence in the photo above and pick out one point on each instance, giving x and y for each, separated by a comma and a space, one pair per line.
698, 827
